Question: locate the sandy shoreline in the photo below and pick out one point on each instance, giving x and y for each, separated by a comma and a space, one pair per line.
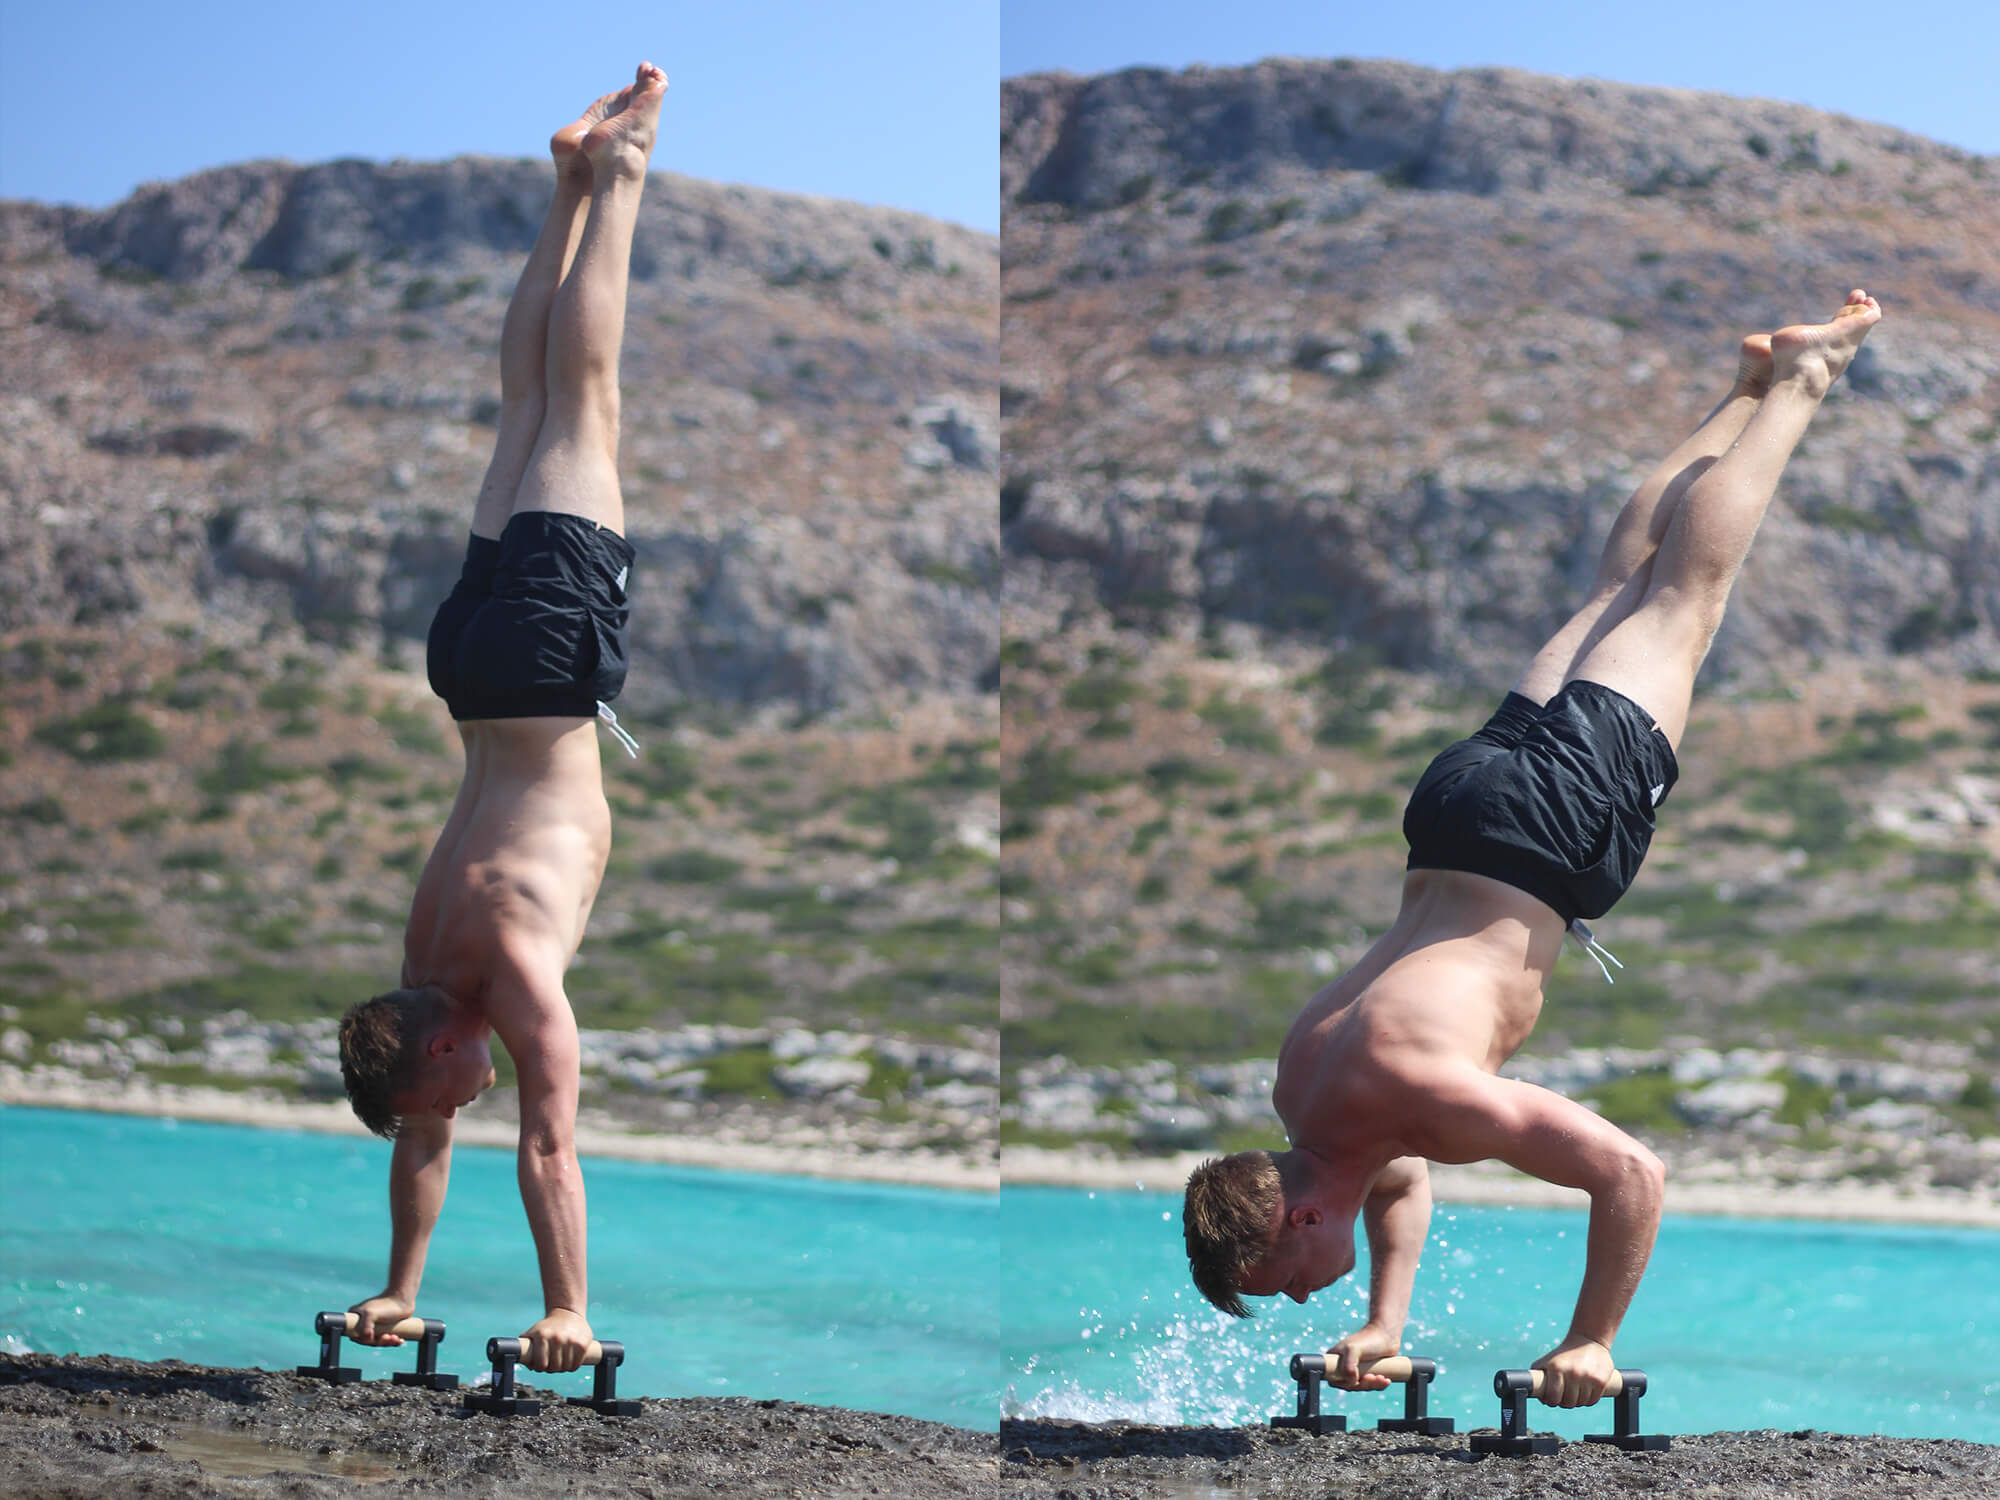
1482, 1183
1490, 1183
221, 1106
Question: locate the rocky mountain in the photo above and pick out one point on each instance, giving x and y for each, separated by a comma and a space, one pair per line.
262, 397
1366, 354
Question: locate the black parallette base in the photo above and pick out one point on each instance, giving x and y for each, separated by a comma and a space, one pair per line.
1636, 1442
1515, 1447
1426, 1426
1320, 1422
430, 1382
332, 1374
502, 1406
609, 1408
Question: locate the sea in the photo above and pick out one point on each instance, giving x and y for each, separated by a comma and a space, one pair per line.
217, 1244
1740, 1324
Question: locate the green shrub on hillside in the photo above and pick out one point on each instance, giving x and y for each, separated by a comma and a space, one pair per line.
109, 731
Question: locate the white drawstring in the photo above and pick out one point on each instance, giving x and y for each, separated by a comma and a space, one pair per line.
1580, 934
618, 732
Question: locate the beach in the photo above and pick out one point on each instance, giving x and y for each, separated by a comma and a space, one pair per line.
1740, 1187
1749, 1195
801, 1151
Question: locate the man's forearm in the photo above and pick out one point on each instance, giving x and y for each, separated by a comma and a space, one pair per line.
1397, 1223
552, 1192
419, 1173
1624, 1219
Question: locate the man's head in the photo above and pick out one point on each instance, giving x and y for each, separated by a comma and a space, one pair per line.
1256, 1226
412, 1052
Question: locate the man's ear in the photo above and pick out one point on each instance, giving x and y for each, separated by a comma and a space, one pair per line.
1301, 1216
440, 1045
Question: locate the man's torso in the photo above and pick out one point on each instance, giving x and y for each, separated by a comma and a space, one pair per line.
1457, 979
518, 863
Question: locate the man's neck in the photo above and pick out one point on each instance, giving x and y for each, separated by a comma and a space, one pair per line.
1335, 1183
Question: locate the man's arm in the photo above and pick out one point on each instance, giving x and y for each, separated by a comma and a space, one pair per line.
539, 1032
1397, 1214
419, 1173
1474, 1116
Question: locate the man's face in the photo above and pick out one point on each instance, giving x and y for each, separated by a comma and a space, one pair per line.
455, 1072
1311, 1252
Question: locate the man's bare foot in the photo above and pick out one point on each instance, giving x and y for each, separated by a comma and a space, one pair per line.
1814, 354
620, 143
1753, 364
566, 145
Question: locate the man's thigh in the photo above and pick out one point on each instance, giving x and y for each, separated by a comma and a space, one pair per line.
1652, 657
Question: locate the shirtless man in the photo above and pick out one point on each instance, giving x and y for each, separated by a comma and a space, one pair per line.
1539, 820
528, 651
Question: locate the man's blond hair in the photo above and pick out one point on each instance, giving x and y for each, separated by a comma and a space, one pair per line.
1226, 1221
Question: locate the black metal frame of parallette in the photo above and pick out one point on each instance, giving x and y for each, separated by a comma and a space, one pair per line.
1514, 1439
501, 1401
1513, 1388
1310, 1369
1625, 1419
332, 1328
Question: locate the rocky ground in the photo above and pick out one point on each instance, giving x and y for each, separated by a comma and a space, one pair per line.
100, 1426
1117, 1461
83, 1428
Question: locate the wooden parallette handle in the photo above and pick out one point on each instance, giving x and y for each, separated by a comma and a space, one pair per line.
515, 1349
409, 1328
1396, 1367
1612, 1387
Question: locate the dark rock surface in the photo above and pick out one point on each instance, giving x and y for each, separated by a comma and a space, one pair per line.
1262, 1463
78, 1428
74, 1427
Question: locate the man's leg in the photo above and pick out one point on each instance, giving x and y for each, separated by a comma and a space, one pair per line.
1625, 567
1653, 653
574, 463
524, 334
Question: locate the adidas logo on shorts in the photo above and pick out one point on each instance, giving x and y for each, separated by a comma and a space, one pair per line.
1658, 791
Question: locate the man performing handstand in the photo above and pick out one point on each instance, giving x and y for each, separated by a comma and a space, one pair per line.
527, 652
1538, 820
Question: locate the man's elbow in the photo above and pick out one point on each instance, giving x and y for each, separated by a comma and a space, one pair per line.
1641, 1173
550, 1144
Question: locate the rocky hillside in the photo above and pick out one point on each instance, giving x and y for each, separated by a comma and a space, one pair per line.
264, 395
1363, 353
1323, 382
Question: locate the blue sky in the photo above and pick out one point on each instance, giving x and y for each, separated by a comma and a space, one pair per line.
882, 101
1927, 66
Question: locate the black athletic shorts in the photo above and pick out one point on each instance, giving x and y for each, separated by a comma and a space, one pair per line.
1555, 800
537, 623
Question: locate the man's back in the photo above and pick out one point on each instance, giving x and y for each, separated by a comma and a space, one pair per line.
1457, 978
518, 863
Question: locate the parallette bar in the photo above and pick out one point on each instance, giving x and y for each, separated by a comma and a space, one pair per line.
428, 1333
1514, 1387
501, 1400
1415, 1375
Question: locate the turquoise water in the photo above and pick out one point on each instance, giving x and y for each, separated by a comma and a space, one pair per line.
216, 1244
1739, 1324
